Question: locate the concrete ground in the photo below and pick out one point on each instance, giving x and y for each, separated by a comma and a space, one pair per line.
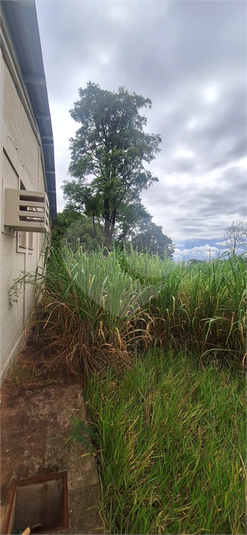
36, 409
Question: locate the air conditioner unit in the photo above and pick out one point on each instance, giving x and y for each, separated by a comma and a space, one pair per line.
26, 210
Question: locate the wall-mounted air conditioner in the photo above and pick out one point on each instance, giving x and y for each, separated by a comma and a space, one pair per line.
26, 210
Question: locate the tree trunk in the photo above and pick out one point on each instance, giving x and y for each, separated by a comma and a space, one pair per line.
107, 229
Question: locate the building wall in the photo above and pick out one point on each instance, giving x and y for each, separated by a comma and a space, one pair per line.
21, 166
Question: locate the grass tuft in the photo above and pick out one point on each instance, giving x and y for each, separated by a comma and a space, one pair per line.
170, 446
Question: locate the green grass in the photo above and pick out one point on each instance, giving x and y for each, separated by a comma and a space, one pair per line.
95, 308
170, 425
204, 307
170, 446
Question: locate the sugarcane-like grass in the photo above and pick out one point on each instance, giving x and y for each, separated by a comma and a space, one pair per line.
96, 308
169, 426
169, 437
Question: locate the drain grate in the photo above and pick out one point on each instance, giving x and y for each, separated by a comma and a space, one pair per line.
39, 503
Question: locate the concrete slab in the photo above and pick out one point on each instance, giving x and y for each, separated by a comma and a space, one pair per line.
35, 441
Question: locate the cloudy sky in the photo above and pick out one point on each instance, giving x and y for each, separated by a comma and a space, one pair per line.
189, 57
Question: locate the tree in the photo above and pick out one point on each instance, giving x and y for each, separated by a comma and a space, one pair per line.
151, 238
133, 217
76, 229
83, 233
63, 222
107, 155
236, 237
136, 227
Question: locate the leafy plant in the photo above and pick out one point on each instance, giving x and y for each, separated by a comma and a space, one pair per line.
17, 286
81, 433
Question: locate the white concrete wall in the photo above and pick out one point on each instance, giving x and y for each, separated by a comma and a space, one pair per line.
20, 161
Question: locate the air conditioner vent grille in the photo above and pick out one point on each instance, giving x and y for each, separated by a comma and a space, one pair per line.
27, 211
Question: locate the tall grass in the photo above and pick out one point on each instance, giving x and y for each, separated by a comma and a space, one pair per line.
95, 309
170, 431
204, 307
90, 311
170, 446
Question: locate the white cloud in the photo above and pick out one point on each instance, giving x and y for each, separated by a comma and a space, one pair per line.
201, 252
211, 94
221, 243
184, 153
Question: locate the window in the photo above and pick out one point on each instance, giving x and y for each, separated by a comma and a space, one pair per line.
30, 241
21, 240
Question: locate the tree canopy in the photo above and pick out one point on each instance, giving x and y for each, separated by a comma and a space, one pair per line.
76, 230
64, 220
107, 156
136, 227
150, 238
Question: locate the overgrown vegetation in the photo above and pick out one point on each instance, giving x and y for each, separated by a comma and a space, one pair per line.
161, 347
96, 309
170, 446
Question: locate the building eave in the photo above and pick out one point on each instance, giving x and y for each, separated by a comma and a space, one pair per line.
22, 24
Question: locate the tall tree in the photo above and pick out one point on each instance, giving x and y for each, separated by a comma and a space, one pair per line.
236, 237
150, 237
107, 155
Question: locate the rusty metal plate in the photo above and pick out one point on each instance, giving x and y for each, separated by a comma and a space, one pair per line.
40, 503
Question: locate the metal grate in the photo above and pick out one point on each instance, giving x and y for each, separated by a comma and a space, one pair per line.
39, 503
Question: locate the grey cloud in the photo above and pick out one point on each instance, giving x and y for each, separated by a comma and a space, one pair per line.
170, 52
183, 165
228, 196
229, 119
239, 149
199, 210
200, 40
160, 197
221, 135
210, 34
